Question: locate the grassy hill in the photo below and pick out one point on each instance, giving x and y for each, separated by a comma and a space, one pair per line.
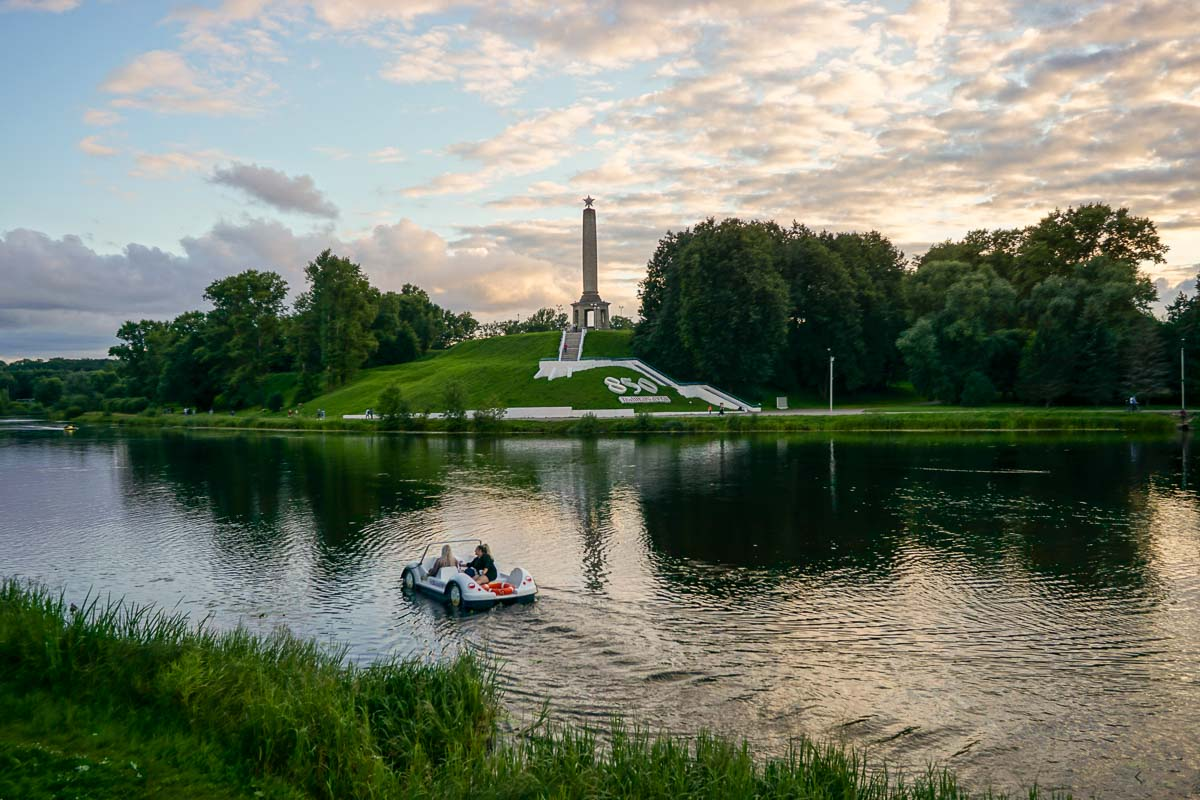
495, 372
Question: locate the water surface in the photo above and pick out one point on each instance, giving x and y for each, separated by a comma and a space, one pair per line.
1017, 607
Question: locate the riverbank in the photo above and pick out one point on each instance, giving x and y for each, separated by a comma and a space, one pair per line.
110, 700
866, 421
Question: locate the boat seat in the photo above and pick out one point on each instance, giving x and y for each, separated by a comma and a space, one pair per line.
516, 577
446, 573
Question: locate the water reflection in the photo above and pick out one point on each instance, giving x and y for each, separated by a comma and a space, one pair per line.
1017, 605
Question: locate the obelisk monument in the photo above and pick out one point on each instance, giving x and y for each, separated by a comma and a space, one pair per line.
590, 311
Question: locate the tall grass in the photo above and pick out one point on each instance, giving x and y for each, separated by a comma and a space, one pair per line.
300, 716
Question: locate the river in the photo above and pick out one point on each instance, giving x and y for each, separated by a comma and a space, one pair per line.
1016, 607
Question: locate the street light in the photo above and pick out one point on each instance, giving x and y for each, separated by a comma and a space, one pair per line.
831, 357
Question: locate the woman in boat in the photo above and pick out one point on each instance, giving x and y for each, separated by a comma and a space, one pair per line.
446, 559
483, 566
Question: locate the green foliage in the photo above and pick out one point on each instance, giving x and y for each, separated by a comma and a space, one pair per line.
747, 304
48, 391
978, 390
454, 406
1183, 333
733, 304
5, 402
620, 323
490, 417
587, 425
332, 331
393, 409
967, 328
243, 334
275, 401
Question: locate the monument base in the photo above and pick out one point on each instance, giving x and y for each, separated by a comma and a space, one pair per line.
590, 314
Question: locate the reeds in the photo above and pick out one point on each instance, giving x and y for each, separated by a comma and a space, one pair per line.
283, 712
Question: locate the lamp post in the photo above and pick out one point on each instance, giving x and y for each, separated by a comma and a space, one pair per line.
1182, 385
831, 357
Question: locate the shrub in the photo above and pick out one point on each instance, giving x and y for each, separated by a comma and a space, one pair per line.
275, 402
71, 412
978, 390
394, 411
490, 417
455, 405
588, 425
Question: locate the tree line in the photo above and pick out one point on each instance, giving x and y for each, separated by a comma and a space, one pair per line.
1054, 312
223, 358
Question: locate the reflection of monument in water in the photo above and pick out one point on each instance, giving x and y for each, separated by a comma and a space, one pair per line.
589, 311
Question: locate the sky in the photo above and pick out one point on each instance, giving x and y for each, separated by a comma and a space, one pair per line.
150, 148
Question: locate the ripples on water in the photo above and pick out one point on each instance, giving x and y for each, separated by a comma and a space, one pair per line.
1016, 607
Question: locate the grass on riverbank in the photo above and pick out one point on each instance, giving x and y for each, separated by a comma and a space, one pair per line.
947, 420
121, 701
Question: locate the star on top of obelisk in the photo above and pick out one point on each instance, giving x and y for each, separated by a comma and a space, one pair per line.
587, 201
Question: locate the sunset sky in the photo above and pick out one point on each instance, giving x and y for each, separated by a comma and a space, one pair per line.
150, 147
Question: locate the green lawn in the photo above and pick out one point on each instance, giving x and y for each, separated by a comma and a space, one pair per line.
607, 344
494, 372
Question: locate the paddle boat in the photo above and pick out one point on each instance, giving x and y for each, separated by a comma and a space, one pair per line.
458, 589
69, 429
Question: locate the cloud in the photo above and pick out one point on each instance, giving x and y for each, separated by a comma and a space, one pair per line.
100, 117
94, 147
388, 155
534, 144
53, 6
164, 81
276, 188
174, 163
52, 285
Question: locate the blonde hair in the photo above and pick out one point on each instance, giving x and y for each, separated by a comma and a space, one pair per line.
447, 554
487, 551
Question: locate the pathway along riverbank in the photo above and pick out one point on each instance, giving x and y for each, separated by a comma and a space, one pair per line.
118, 701
892, 421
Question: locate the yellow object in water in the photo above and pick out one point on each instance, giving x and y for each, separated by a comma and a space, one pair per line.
70, 429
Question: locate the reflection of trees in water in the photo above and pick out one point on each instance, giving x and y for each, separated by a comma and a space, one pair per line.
801, 505
764, 502
1082, 516
251, 484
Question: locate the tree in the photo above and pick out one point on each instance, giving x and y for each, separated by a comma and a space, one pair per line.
244, 331
454, 403
544, 319
733, 304
140, 356
1183, 330
333, 330
619, 323
967, 340
1065, 239
824, 317
1084, 322
188, 375
48, 391
394, 410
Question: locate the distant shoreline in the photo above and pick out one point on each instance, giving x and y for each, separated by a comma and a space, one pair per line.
965, 421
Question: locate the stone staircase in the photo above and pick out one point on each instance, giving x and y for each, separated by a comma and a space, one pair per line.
572, 345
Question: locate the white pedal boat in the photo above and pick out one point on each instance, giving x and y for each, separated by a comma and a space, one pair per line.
460, 590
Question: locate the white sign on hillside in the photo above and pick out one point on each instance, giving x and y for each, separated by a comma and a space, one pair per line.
622, 385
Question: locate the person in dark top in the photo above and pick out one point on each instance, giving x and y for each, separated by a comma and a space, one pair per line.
482, 566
